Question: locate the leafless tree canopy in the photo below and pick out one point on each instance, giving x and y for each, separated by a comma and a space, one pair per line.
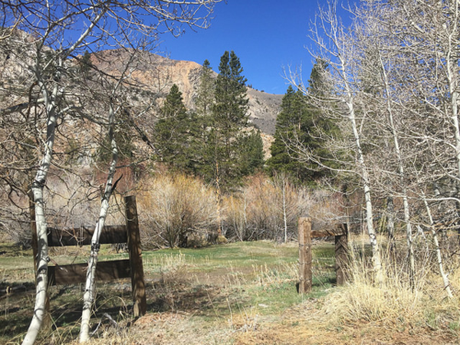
52, 98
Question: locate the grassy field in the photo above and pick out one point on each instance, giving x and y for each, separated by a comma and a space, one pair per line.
222, 289
242, 294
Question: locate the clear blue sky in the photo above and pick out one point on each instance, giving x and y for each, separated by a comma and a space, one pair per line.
266, 35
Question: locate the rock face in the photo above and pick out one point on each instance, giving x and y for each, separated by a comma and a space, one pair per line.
158, 74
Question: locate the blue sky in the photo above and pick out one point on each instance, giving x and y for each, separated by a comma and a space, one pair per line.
266, 35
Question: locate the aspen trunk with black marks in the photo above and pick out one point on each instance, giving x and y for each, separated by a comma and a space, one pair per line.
376, 259
445, 278
391, 225
218, 194
51, 100
42, 259
89, 294
402, 176
284, 210
336, 46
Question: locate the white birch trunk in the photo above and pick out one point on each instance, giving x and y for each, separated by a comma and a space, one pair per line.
452, 62
40, 219
445, 278
88, 297
284, 211
391, 224
376, 260
336, 45
410, 245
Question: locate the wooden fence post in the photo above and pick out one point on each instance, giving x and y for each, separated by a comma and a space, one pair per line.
135, 257
305, 257
341, 255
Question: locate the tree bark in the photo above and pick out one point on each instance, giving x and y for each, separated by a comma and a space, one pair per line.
445, 278
40, 220
89, 293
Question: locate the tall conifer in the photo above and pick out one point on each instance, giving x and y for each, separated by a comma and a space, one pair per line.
229, 117
302, 123
172, 132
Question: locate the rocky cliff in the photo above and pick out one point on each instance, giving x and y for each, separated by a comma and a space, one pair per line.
157, 74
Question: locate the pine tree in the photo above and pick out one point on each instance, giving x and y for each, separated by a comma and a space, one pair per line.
290, 126
172, 133
229, 117
201, 124
123, 134
205, 97
300, 122
251, 152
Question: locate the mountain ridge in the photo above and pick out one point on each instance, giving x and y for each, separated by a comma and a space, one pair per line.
158, 73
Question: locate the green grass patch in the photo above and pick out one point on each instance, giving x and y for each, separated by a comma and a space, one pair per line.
221, 282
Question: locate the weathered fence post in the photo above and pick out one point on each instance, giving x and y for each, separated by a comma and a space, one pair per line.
305, 257
341, 255
135, 257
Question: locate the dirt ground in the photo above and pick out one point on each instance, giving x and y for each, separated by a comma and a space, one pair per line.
300, 325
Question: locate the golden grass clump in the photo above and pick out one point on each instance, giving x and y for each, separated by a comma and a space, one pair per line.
395, 301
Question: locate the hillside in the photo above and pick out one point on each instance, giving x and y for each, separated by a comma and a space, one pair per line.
157, 74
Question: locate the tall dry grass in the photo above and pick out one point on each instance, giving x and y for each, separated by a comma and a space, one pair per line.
395, 302
181, 210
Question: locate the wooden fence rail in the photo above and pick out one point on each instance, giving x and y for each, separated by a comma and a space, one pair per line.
340, 232
105, 270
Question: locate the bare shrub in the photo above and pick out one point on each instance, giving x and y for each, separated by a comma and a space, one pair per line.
172, 209
72, 202
269, 209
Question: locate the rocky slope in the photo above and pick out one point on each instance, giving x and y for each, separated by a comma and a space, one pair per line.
157, 74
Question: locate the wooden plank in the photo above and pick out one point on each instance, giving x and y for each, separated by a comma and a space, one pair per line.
135, 257
337, 231
82, 236
305, 256
76, 273
341, 256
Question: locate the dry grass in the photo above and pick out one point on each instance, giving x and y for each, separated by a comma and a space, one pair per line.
244, 294
364, 313
394, 305
260, 210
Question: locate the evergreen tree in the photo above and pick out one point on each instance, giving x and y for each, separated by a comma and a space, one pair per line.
201, 123
317, 86
251, 152
229, 117
300, 122
172, 132
123, 135
85, 64
205, 98
290, 127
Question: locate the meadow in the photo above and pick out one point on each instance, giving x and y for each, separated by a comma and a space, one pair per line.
223, 286
237, 293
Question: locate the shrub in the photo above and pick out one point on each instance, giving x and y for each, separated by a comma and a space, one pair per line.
173, 208
269, 209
